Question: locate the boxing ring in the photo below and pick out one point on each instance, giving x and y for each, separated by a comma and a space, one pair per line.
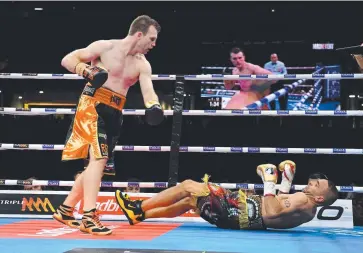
26, 225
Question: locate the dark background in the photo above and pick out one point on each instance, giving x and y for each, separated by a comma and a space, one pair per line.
193, 34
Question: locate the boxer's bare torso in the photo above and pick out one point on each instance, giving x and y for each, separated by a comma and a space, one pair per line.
123, 69
296, 210
250, 90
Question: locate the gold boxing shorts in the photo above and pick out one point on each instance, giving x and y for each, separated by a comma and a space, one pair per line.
96, 125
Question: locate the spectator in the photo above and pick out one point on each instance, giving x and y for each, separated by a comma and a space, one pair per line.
133, 188
32, 187
275, 66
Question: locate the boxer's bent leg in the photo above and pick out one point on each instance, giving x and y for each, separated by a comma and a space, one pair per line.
174, 194
174, 210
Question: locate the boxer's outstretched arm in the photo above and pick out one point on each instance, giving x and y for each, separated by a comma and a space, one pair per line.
146, 84
88, 54
278, 207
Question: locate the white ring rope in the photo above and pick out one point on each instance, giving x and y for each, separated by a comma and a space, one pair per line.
307, 95
193, 77
204, 149
162, 185
275, 95
314, 103
62, 111
221, 68
318, 103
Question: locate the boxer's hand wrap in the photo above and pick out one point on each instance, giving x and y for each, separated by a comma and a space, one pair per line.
96, 76
154, 114
288, 169
269, 176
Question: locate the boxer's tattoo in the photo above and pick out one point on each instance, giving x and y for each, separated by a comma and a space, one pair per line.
287, 203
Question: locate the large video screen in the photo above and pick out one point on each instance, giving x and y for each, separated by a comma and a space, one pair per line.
322, 94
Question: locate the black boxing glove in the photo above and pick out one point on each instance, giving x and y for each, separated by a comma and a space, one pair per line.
96, 76
154, 114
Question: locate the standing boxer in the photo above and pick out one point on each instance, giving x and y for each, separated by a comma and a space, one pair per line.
116, 65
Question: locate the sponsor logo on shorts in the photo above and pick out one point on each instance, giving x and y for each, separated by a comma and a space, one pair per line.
160, 185
236, 149
89, 90
309, 150
128, 147
106, 184
21, 145
48, 146
154, 148
115, 99
339, 150
311, 112
253, 150
254, 112
53, 183
346, 188
282, 112
183, 149
104, 149
209, 148
282, 150
338, 112
104, 136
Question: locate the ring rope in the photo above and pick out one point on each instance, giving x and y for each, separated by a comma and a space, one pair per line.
63, 111
314, 103
163, 185
275, 95
194, 77
318, 103
210, 68
192, 149
307, 95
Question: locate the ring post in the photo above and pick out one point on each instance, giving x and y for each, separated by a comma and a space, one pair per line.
176, 131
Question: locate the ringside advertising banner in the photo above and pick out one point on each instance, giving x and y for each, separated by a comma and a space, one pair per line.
338, 215
38, 204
